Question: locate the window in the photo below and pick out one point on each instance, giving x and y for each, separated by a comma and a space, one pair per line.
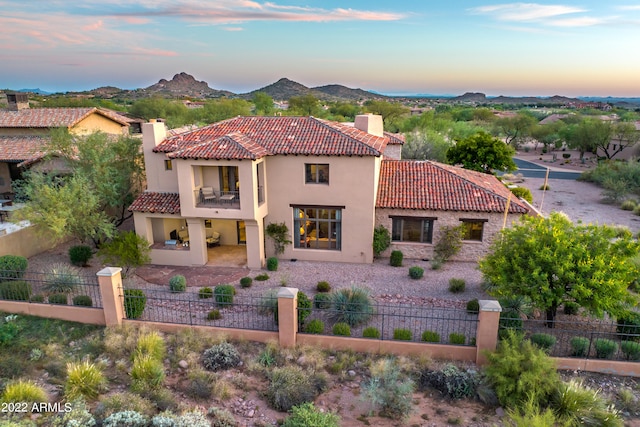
317, 227
167, 165
408, 229
473, 229
316, 173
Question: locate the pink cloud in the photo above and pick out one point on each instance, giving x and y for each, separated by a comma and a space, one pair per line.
92, 27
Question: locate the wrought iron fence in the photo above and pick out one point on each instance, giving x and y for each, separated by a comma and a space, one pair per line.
189, 308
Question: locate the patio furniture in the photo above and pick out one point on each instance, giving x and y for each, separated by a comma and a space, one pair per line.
183, 235
228, 197
207, 195
212, 238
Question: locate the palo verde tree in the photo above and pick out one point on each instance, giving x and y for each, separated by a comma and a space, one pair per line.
483, 153
553, 261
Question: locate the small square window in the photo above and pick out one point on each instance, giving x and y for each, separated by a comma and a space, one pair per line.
316, 173
167, 165
473, 229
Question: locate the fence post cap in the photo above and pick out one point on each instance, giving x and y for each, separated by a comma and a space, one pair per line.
287, 292
490, 305
109, 271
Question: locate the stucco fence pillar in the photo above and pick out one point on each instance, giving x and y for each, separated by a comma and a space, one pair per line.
110, 283
287, 316
487, 332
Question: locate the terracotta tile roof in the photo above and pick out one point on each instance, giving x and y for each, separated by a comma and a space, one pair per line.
427, 185
17, 149
284, 135
51, 117
232, 146
395, 138
163, 203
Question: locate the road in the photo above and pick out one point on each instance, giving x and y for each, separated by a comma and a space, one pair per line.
533, 170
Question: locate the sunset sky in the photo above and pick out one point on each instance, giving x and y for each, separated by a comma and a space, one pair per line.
572, 48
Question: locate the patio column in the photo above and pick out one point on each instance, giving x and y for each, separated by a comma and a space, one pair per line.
287, 316
197, 243
487, 333
255, 243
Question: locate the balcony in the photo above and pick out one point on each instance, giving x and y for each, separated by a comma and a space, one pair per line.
206, 197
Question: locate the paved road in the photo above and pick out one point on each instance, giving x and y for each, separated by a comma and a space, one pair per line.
533, 170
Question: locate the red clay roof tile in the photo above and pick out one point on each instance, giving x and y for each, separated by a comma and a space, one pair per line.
51, 117
16, 149
162, 203
232, 146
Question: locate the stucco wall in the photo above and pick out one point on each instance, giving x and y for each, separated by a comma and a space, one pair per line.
96, 122
25, 242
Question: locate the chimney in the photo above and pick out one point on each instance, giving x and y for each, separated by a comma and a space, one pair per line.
370, 123
18, 101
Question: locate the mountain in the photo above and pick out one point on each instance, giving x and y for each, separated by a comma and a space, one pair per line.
284, 89
345, 93
36, 90
481, 98
184, 84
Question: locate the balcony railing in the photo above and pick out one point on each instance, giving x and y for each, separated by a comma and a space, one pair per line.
217, 199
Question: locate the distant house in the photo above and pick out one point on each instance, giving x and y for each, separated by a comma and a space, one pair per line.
330, 183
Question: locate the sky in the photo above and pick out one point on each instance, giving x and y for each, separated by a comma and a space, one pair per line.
441, 47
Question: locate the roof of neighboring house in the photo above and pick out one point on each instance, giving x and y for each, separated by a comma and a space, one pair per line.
395, 138
427, 185
53, 117
18, 149
232, 146
278, 135
162, 203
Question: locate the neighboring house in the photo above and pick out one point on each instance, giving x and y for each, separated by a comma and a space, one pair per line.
24, 133
322, 179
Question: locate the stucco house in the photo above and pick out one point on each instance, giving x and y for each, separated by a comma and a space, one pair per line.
330, 183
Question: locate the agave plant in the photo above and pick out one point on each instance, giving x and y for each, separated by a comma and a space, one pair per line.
62, 278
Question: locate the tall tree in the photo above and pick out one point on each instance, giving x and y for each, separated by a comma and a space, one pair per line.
588, 135
623, 135
516, 129
305, 105
553, 261
221, 109
391, 112
263, 104
427, 145
483, 153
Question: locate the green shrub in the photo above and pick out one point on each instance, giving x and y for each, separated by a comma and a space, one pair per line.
37, 298
628, 205
381, 240
9, 330
272, 263
436, 264
80, 255
579, 346
402, 334
147, 373
530, 414
223, 294
342, 329
134, 303
84, 380
630, 349
473, 306
457, 286
523, 193
220, 357
316, 326
510, 320
306, 415
123, 401
12, 266
15, 291
449, 242
205, 293
323, 287
214, 315
628, 326
543, 341
389, 390
604, 348
450, 381
151, 343
269, 303
82, 301
61, 299
262, 277
126, 419
430, 336
416, 272
544, 187
577, 405
178, 283
322, 301
290, 386
352, 306
304, 306
371, 332
221, 417
23, 391
396, 258
636, 210
77, 415
458, 339
570, 308
62, 278
246, 282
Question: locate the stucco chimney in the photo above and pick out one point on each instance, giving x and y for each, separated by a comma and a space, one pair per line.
153, 133
370, 123
18, 101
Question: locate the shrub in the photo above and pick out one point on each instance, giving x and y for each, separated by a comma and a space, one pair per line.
61, 299
78, 415
322, 301
575, 404
214, 315
147, 373
178, 283
450, 381
82, 301
126, 419
352, 306
473, 306
12, 266
62, 278
23, 391
458, 339
123, 401
436, 264
134, 303
223, 294
457, 286
128, 250
430, 336
449, 242
272, 263
221, 417
269, 303
579, 346
316, 326
290, 386
342, 329
604, 348
151, 343
388, 390
80, 255
523, 193
371, 332
402, 334
636, 210
530, 414
628, 326
262, 277
306, 415
570, 308
205, 293
8, 331
246, 282
15, 291
221, 356
628, 205
84, 380
279, 233
566, 155
416, 272
323, 287
544, 187
543, 341
304, 306
396, 258
37, 298
630, 349
381, 240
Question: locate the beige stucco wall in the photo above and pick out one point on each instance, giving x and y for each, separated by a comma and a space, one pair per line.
158, 179
25, 242
96, 122
471, 250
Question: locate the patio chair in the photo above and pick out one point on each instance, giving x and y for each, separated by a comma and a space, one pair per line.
212, 238
207, 194
183, 235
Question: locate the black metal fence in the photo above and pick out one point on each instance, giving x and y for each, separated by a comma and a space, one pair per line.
50, 288
189, 308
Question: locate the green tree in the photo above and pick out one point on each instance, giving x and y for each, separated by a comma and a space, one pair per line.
427, 145
623, 135
344, 111
175, 113
482, 153
391, 112
127, 250
587, 135
305, 105
549, 134
263, 104
222, 109
516, 129
553, 261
